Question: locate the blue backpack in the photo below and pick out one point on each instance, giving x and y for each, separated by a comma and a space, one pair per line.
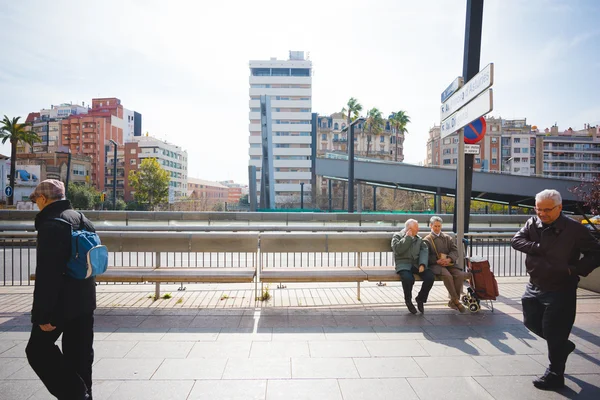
88, 256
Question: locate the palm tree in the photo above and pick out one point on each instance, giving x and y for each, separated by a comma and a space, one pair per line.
399, 121
375, 124
352, 112
15, 132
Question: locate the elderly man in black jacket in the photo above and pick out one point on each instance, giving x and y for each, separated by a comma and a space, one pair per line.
61, 304
554, 245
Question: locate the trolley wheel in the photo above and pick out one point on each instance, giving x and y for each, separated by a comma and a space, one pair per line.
465, 299
474, 307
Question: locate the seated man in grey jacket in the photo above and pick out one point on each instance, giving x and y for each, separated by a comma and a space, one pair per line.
410, 255
443, 261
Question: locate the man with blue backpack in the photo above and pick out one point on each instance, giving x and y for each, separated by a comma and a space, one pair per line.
63, 300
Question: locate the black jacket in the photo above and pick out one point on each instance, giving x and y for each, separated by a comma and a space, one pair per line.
58, 297
554, 252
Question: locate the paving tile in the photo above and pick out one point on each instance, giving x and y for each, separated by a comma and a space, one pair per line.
160, 350
125, 368
510, 365
387, 367
586, 344
358, 320
502, 332
152, 390
138, 334
215, 321
319, 320
101, 390
576, 363
20, 390
15, 351
268, 321
400, 332
337, 349
404, 319
279, 349
229, 389
163, 321
191, 368
298, 334
9, 366
112, 349
243, 334
449, 388
495, 346
24, 373
220, 349
448, 332
350, 333
451, 366
118, 321
258, 368
8, 344
16, 335
382, 389
191, 335
307, 389
450, 347
584, 387
395, 348
323, 368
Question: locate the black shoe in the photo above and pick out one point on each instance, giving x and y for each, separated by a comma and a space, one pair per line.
411, 306
550, 381
420, 306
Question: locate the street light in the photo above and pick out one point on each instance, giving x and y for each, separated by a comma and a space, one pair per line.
506, 164
114, 175
351, 162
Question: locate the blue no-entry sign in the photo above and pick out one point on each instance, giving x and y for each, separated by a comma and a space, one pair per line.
8, 191
475, 131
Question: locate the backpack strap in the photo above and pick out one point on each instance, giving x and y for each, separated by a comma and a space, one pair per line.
81, 225
429, 238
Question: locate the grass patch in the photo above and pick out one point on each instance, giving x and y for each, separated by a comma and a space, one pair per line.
167, 296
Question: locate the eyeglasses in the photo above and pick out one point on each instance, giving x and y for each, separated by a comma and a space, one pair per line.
545, 210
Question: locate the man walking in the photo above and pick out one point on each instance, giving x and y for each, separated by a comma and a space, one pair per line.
410, 255
61, 304
443, 261
553, 244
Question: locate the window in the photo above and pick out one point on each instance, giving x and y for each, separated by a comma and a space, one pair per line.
494, 161
516, 140
454, 160
381, 139
133, 161
336, 126
132, 151
525, 150
323, 136
494, 150
525, 159
494, 139
446, 161
517, 150
478, 161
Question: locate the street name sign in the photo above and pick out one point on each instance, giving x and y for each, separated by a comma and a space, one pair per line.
483, 80
453, 87
472, 149
480, 106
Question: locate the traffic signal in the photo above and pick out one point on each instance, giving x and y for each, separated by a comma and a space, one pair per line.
102, 196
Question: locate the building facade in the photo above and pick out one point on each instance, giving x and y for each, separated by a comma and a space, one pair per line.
289, 85
207, 192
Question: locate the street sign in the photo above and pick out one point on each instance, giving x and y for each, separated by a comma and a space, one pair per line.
483, 80
475, 109
475, 131
8, 191
453, 87
472, 149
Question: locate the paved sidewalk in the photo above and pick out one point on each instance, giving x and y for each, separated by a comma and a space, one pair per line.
308, 342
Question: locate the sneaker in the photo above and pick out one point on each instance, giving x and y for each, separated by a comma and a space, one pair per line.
549, 381
420, 306
411, 307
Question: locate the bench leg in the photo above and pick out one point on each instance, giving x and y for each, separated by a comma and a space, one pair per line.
157, 291
358, 291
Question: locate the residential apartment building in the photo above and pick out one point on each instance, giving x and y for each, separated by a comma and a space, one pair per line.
207, 192
508, 146
569, 154
236, 191
289, 85
331, 139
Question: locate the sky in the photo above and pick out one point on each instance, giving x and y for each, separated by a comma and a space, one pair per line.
184, 64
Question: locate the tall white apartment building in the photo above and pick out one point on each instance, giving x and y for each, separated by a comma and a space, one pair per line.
289, 85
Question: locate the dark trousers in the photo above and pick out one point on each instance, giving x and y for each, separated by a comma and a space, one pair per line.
408, 281
551, 316
67, 374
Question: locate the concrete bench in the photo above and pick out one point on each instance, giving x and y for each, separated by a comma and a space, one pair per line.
200, 242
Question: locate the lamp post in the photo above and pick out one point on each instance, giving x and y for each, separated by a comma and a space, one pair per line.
114, 175
351, 163
507, 166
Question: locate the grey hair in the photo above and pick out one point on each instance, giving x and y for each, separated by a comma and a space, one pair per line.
435, 218
549, 194
409, 222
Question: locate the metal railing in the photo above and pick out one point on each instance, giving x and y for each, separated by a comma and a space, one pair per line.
168, 249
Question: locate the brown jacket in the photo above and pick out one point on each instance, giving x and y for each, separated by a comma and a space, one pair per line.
443, 243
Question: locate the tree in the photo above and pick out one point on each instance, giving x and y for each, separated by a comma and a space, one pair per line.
399, 121
374, 123
589, 193
15, 133
351, 113
150, 183
83, 197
